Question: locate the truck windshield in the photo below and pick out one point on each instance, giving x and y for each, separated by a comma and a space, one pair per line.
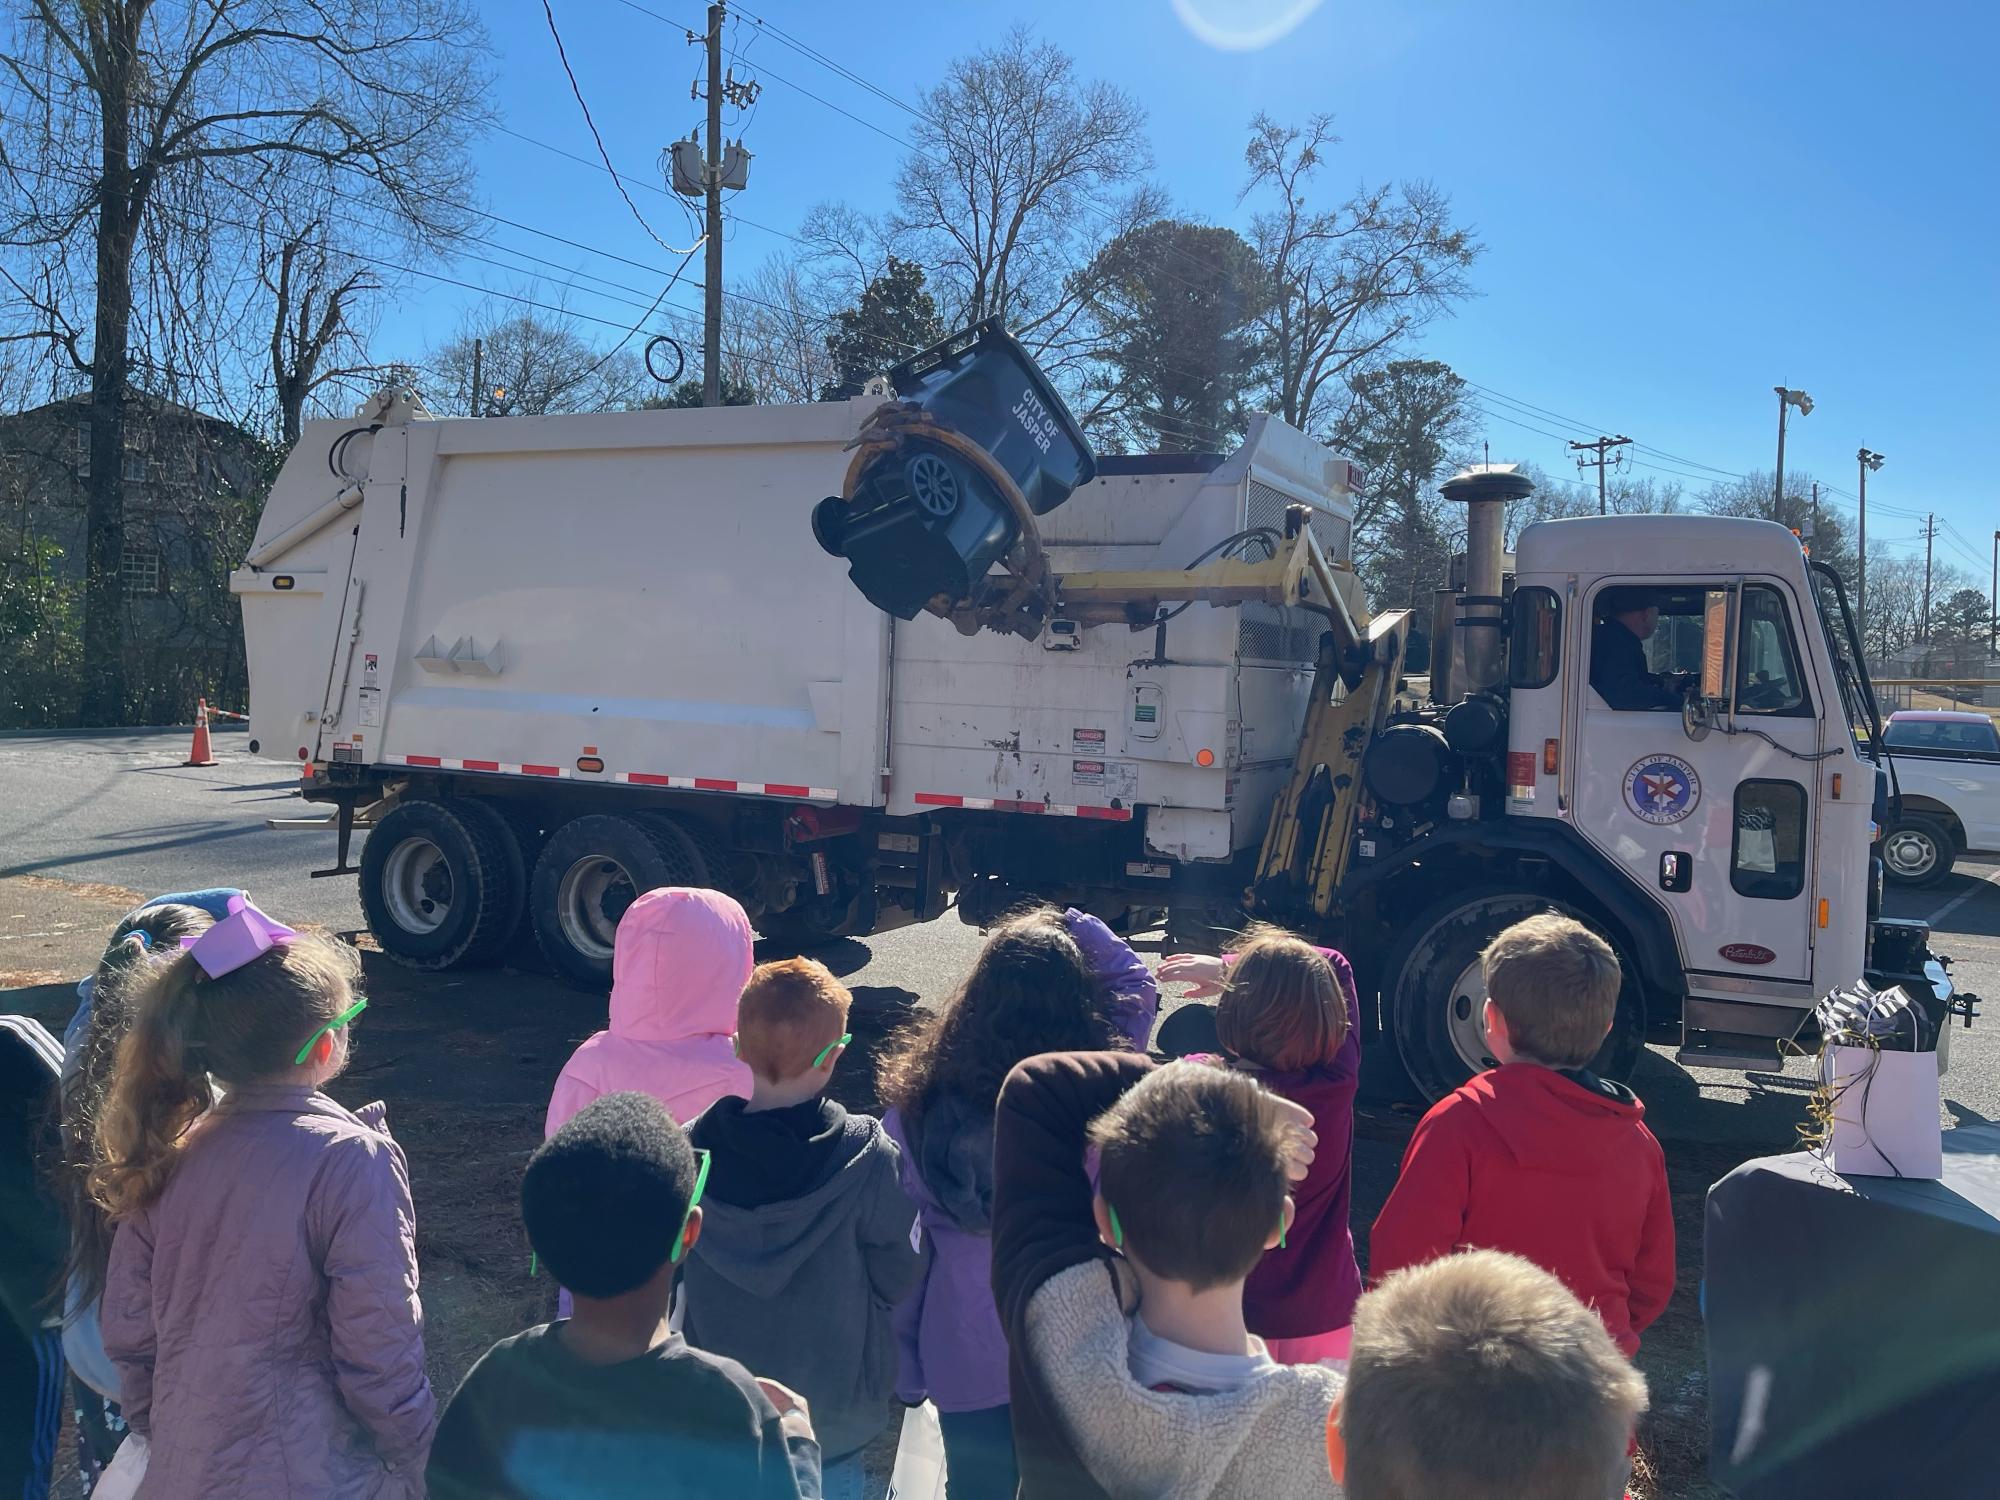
1857, 693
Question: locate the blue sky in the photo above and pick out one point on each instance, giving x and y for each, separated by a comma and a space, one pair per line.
1683, 204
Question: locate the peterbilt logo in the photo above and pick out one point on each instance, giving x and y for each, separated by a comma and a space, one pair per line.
1746, 953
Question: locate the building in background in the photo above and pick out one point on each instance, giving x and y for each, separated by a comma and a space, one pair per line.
192, 485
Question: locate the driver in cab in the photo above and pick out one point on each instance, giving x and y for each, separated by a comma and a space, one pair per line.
1627, 618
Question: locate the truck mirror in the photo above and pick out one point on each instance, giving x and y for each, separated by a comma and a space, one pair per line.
1715, 645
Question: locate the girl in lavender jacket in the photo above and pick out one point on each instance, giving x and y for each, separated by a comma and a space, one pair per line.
261, 1301
1046, 981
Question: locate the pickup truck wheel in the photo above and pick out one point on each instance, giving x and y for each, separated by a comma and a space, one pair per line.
1436, 994
589, 871
441, 883
1916, 851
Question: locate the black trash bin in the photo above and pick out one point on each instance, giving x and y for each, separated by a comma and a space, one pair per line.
923, 521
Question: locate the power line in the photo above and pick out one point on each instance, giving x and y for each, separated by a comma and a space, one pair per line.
575, 88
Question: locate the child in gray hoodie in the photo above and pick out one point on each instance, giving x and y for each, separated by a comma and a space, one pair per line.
807, 1247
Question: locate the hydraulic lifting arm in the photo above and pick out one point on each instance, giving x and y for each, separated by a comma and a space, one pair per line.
1360, 660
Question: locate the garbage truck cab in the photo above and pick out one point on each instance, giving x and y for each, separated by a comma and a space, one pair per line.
1724, 797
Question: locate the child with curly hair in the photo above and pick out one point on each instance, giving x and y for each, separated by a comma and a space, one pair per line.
1046, 981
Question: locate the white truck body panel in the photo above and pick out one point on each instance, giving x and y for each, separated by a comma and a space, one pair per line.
514, 595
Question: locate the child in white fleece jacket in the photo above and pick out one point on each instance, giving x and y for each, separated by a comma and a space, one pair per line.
1130, 1371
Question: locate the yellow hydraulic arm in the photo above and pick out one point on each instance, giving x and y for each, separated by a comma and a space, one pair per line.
1354, 682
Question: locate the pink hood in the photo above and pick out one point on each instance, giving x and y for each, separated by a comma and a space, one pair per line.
681, 961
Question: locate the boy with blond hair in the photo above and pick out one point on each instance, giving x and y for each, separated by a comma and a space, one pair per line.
806, 1247
1540, 1156
1480, 1377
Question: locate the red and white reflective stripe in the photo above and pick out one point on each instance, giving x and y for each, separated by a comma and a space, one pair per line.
492, 767
791, 790
1051, 809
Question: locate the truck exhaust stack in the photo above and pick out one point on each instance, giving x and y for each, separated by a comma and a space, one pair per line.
948, 481
1484, 492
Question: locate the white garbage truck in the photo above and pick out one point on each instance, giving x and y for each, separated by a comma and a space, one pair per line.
859, 662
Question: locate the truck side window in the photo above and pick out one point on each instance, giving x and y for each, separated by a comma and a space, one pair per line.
1767, 857
1768, 680
1534, 638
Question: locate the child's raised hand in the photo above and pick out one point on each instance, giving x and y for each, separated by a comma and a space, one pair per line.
1200, 970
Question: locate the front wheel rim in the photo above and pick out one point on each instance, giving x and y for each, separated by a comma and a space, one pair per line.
1465, 1018
417, 886
1910, 853
590, 900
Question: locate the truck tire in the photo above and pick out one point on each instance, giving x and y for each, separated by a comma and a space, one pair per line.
589, 871
441, 883
1435, 997
1917, 851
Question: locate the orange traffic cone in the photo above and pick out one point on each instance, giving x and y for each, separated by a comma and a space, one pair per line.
201, 754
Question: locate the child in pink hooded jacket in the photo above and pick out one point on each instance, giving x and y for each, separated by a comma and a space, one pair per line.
680, 962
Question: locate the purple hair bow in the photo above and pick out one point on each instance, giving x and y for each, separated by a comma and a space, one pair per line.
239, 937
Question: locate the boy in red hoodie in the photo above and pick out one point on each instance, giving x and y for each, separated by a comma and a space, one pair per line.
1539, 1156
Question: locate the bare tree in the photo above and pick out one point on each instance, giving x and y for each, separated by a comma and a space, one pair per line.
1349, 284
1022, 172
533, 363
774, 333
151, 120
313, 290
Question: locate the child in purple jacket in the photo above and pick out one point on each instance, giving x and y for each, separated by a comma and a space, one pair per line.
1285, 1016
1046, 981
261, 1301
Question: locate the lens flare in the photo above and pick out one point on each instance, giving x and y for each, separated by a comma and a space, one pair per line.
1243, 25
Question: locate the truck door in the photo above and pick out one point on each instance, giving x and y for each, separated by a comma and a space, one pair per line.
1719, 829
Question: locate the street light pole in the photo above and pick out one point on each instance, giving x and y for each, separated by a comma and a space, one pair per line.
1869, 461
1778, 488
1786, 397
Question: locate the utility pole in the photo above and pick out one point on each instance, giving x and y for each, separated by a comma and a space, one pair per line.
1869, 461
478, 366
1812, 526
711, 325
1602, 448
1930, 531
1993, 597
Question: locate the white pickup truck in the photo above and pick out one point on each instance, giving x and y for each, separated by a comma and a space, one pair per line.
1947, 767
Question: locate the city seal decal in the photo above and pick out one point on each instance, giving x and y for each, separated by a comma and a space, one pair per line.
1662, 789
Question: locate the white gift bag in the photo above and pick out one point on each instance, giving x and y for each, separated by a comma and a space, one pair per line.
919, 1472
122, 1476
1885, 1112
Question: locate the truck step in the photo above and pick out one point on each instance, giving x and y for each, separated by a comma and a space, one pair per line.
1732, 1058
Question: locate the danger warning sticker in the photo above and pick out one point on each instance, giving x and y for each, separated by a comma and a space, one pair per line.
1087, 736
1087, 772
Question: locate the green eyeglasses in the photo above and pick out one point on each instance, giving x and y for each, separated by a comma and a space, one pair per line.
334, 1025
827, 1051
680, 1239
694, 1198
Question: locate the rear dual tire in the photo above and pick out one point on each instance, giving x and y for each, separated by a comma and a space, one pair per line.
592, 869
442, 883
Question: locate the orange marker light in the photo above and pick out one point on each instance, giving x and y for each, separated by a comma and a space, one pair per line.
1204, 757
1551, 757
1836, 786
589, 763
1824, 908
